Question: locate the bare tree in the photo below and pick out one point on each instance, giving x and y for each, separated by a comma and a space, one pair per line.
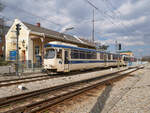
146, 58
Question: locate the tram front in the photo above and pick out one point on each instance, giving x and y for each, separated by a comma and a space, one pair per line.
50, 60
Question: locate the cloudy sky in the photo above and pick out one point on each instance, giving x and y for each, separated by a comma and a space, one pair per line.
127, 21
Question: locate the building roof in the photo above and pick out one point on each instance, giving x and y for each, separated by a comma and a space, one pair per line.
126, 51
57, 35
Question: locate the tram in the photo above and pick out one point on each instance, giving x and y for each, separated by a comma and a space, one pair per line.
63, 57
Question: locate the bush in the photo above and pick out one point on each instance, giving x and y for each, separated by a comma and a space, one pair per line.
4, 63
146, 58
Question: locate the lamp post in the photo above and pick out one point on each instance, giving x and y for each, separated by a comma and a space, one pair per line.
67, 29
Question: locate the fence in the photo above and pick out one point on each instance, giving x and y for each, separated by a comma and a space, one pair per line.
23, 67
28, 66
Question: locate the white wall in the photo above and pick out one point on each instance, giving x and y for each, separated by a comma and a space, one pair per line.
11, 39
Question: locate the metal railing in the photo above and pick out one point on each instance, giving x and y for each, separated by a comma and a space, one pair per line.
25, 66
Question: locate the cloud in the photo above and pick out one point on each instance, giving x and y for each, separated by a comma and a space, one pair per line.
127, 21
126, 41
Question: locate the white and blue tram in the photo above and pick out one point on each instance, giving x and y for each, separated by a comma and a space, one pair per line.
65, 58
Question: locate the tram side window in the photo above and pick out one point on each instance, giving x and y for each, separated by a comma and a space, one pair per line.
59, 53
89, 55
115, 57
101, 55
82, 55
109, 56
94, 55
75, 54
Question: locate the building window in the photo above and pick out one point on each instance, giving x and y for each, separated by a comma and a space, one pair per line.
37, 50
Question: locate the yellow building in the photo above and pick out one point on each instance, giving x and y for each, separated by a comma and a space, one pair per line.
128, 53
32, 39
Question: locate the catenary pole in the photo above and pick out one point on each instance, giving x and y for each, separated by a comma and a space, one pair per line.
93, 27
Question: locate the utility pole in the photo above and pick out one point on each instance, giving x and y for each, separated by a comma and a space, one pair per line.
3, 38
94, 7
118, 48
93, 27
17, 51
117, 52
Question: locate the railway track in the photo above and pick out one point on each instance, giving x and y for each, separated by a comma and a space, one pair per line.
38, 100
9, 82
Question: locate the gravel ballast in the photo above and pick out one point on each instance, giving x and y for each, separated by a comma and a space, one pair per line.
13, 90
129, 95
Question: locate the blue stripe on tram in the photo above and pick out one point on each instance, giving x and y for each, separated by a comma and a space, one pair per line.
78, 62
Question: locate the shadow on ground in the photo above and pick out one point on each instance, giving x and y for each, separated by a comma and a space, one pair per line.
98, 107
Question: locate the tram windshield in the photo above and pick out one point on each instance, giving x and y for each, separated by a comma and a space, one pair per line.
50, 53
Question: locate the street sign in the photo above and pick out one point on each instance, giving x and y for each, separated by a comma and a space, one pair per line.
13, 55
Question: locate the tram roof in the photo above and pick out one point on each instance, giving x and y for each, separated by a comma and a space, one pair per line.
75, 48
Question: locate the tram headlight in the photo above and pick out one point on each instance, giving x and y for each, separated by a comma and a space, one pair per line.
50, 66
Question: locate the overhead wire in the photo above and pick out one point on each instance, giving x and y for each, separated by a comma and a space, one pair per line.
109, 3
31, 14
78, 24
108, 17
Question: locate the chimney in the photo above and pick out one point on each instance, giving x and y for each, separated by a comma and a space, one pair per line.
38, 24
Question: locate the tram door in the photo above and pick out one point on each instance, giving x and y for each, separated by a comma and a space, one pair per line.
105, 60
66, 61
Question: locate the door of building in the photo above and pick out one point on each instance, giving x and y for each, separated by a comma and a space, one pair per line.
105, 59
23, 56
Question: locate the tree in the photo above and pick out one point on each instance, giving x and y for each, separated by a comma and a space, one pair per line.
101, 47
146, 58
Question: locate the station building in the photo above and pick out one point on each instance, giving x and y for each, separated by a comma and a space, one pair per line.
32, 39
128, 53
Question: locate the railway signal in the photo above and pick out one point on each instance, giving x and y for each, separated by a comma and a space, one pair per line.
18, 28
119, 46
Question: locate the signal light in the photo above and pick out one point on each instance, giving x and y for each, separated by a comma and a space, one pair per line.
18, 28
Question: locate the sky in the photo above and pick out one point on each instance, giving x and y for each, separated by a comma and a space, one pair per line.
124, 21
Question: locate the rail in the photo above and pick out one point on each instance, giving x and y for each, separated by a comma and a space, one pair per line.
64, 91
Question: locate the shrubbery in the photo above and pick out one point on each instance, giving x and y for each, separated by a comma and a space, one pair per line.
4, 63
147, 58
